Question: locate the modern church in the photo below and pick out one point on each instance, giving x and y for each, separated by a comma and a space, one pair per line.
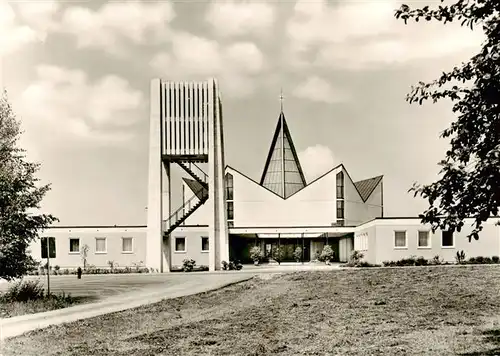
224, 213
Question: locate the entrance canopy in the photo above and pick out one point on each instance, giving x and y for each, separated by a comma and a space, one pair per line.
293, 231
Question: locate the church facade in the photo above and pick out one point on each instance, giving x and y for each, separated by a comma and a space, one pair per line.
224, 213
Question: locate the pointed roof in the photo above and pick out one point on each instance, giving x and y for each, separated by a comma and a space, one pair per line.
282, 173
367, 186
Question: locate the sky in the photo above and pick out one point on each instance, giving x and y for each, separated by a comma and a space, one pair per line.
78, 73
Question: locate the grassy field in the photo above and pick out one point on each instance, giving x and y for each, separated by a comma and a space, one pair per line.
410, 311
12, 309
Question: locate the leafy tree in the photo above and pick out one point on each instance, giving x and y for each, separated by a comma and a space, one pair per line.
469, 183
20, 196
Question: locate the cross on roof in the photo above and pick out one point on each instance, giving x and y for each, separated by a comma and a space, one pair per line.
281, 99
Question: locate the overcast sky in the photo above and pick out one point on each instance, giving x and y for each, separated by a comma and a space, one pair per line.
78, 75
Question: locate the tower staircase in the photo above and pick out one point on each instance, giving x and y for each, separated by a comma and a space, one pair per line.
200, 188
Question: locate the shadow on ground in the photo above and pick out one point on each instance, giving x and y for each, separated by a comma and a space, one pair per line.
490, 338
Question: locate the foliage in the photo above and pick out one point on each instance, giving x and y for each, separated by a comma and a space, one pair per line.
327, 254
355, 260
278, 253
468, 186
188, 265
495, 259
112, 264
20, 198
22, 291
231, 266
84, 251
256, 253
460, 257
297, 254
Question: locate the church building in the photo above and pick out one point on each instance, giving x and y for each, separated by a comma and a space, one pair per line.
224, 213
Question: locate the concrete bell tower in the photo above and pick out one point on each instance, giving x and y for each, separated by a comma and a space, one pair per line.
186, 128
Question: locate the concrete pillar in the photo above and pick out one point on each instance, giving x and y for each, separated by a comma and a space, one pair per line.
218, 231
154, 245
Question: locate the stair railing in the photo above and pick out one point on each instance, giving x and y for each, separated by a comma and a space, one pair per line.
196, 170
182, 211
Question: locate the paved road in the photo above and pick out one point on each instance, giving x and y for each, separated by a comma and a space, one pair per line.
160, 287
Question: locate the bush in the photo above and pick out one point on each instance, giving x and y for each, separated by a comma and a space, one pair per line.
495, 259
188, 265
420, 261
480, 260
231, 266
297, 254
436, 260
327, 254
256, 254
366, 264
22, 291
460, 257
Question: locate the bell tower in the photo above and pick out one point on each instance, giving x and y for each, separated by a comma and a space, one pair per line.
186, 129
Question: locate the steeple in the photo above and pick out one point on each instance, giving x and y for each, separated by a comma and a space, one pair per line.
282, 173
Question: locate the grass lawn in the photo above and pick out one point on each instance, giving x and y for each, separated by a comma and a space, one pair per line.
12, 309
409, 311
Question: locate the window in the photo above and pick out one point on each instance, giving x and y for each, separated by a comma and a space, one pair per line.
340, 185
229, 186
400, 239
340, 209
447, 239
180, 244
424, 239
230, 210
100, 245
74, 245
204, 243
127, 245
52, 247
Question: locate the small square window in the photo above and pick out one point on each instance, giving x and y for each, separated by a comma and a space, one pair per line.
180, 244
100, 245
447, 239
424, 239
74, 245
204, 244
400, 239
230, 210
127, 245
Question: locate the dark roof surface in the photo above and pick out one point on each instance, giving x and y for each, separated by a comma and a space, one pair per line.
365, 187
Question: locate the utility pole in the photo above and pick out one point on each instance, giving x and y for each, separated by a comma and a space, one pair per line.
48, 265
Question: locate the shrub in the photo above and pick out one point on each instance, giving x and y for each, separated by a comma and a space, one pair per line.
256, 253
231, 266
436, 260
112, 264
22, 291
327, 254
188, 265
420, 261
487, 260
480, 259
472, 260
495, 259
366, 264
278, 253
297, 254
460, 257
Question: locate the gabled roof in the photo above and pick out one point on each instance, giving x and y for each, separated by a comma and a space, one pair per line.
196, 188
367, 186
282, 173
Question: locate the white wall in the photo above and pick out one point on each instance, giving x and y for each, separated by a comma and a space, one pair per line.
358, 212
256, 206
381, 243
66, 259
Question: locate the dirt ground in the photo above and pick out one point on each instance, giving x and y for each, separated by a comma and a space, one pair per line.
386, 311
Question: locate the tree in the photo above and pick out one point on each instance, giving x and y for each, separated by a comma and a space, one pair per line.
20, 196
469, 183
84, 251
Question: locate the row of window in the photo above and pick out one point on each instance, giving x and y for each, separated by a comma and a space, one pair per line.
340, 199
229, 199
180, 244
100, 245
423, 239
